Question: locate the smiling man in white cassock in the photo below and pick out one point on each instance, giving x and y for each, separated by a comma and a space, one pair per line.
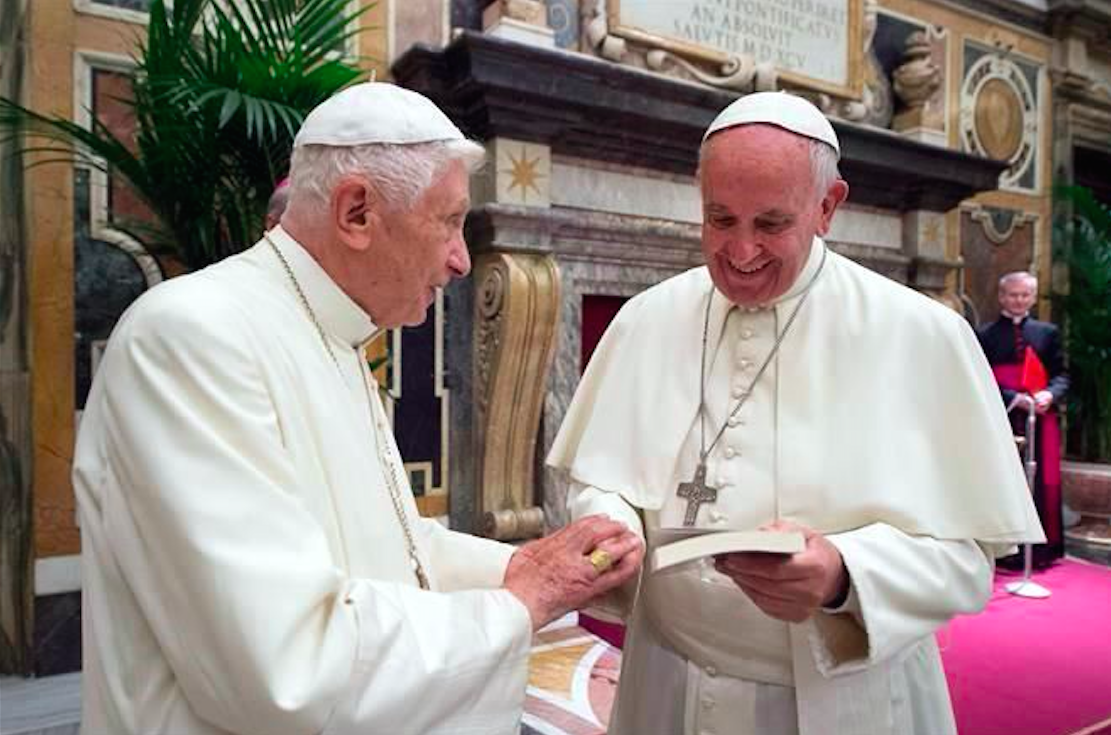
795, 390
253, 560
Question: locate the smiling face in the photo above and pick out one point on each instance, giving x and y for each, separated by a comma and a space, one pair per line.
760, 211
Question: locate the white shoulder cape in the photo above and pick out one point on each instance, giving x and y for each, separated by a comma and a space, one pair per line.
887, 411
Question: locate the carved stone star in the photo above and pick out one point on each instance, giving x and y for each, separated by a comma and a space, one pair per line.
524, 174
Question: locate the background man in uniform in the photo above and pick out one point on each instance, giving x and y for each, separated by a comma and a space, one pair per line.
1017, 345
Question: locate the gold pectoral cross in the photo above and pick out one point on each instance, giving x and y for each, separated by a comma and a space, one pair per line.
696, 492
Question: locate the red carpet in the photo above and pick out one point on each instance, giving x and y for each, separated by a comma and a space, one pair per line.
1035, 667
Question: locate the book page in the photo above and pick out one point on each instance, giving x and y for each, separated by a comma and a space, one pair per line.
678, 545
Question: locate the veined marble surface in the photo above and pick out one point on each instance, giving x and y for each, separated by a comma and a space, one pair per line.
867, 226
47, 706
607, 189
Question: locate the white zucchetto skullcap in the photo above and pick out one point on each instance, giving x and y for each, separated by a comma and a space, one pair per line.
784, 110
375, 112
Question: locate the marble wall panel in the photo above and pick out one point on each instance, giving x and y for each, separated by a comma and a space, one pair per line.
876, 228
579, 278
624, 191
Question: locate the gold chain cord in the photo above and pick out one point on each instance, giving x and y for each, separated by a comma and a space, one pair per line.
393, 483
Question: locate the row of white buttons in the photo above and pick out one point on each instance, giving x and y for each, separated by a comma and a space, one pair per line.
730, 452
708, 703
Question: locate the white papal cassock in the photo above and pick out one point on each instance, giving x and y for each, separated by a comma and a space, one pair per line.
878, 424
244, 568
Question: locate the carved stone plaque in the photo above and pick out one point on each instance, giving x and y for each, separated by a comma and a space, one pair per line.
812, 43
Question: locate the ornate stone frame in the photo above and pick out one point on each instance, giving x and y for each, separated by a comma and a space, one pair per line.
730, 68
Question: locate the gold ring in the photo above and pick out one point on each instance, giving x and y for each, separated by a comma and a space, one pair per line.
601, 560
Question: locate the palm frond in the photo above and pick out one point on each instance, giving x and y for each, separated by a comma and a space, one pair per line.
219, 91
1083, 236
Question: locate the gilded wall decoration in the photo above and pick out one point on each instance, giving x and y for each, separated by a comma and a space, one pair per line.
814, 45
523, 173
488, 329
738, 71
999, 115
516, 316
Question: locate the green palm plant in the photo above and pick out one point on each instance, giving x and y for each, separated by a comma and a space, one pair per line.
220, 88
1084, 244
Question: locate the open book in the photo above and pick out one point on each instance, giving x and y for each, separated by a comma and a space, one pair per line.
676, 546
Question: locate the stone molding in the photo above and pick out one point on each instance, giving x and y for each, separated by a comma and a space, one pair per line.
516, 310
590, 108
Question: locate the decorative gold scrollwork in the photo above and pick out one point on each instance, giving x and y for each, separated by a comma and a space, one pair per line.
516, 316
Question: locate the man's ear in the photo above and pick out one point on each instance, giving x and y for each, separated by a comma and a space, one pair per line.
837, 193
353, 212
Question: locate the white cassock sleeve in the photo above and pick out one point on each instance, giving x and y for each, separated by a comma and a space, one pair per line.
583, 500
463, 561
263, 630
903, 589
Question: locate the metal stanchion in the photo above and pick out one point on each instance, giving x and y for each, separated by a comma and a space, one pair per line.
1028, 587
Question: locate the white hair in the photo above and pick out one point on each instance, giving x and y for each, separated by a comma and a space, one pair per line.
823, 165
1024, 276
400, 174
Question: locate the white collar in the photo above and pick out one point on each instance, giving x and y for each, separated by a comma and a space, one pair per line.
339, 316
722, 306
1015, 318
813, 262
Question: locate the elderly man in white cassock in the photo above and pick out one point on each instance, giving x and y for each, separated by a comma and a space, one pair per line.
253, 558
793, 389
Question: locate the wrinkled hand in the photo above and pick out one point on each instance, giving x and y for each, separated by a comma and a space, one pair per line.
790, 587
553, 575
1024, 401
1043, 399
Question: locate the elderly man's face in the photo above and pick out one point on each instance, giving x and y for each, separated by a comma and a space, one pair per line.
760, 211
1017, 295
420, 250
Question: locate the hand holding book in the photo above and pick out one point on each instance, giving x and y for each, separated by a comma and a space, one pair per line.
797, 572
677, 546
